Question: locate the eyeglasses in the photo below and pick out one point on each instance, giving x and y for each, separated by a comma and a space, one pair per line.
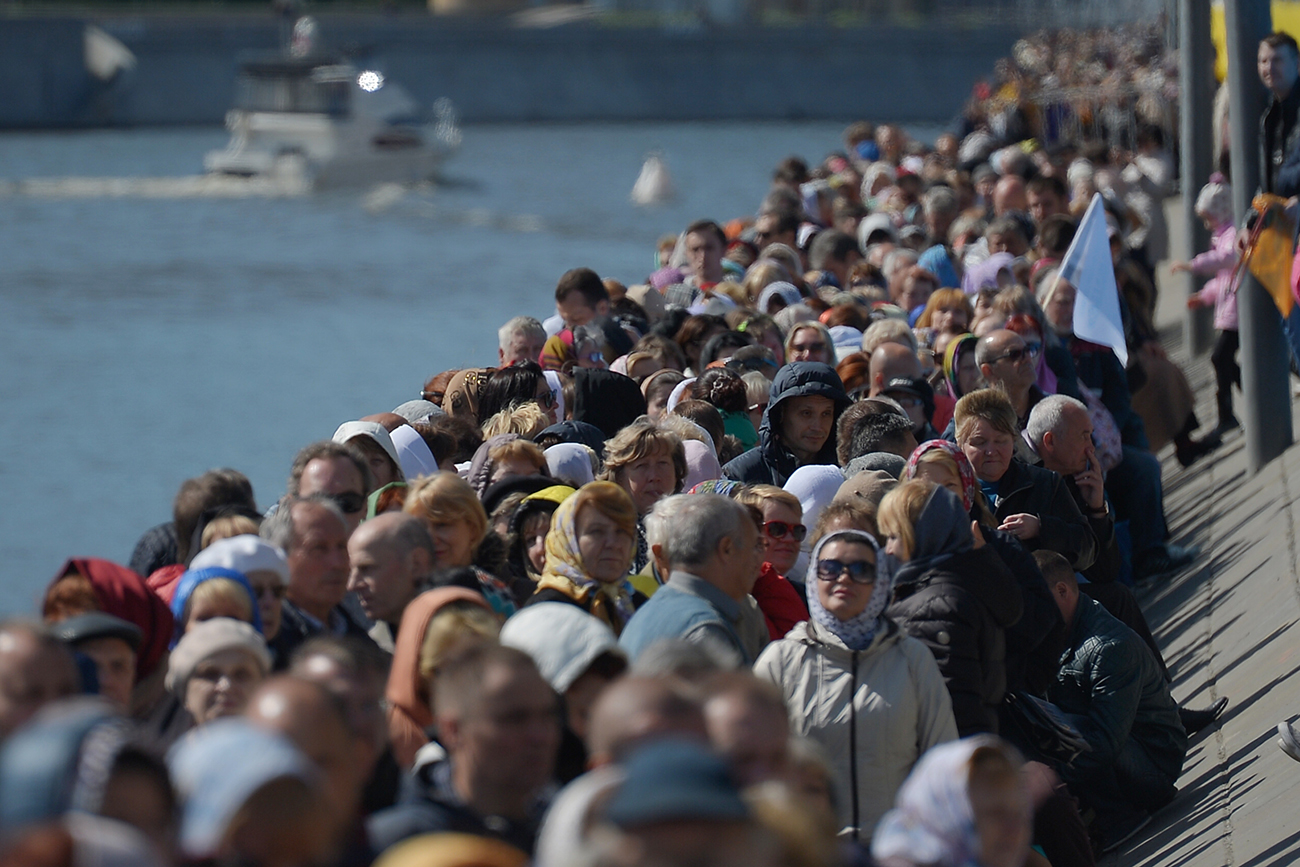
1015, 356
546, 399
807, 347
1034, 349
779, 529
349, 502
859, 571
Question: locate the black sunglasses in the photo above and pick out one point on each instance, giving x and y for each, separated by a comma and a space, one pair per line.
859, 571
348, 502
1015, 356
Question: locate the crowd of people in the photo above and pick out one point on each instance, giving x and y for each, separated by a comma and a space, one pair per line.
813, 547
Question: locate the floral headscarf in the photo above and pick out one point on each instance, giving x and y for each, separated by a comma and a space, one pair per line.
858, 632
932, 821
965, 471
565, 570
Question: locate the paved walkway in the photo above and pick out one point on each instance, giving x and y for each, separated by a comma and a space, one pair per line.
1228, 628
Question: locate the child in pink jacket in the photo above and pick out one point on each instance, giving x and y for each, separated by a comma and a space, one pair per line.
1214, 207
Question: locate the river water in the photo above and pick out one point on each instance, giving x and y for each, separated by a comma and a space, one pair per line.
145, 340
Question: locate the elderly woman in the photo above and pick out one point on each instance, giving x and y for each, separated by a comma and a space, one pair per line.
852, 681
262, 564
964, 805
953, 593
459, 527
649, 463
589, 552
215, 668
1030, 503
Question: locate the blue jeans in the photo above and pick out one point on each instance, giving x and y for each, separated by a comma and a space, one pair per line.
1137, 492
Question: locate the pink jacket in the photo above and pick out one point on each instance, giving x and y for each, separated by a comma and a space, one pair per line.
1219, 261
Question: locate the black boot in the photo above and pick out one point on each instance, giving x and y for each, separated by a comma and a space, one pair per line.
1195, 720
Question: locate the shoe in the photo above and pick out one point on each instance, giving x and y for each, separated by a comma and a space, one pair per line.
1287, 740
1163, 560
1122, 833
1226, 425
1191, 451
1195, 720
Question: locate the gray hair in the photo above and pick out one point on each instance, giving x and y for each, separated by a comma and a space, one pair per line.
277, 527
888, 331
897, 260
677, 657
689, 527
1049, 415
518, 325
940, 200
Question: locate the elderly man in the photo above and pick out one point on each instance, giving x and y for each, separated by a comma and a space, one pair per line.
391, 556
337, 471
713, 549
1110, 689
1009, 195
35, 669
313, 533
520, 339
637, 709
497, 720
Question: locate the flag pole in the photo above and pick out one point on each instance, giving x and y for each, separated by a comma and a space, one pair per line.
1265, 359
1196, 149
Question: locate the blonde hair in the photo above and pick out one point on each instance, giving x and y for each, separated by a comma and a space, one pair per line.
526, 419
224, 591
901, 509
757, 495
758, 388
445, 498
732, 290
760, 275
888, 331
227, 527
518, 450
987, 404
815, 326
856, 512
1018, 299
455, 626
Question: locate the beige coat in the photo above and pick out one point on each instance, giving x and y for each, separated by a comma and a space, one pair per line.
874, 711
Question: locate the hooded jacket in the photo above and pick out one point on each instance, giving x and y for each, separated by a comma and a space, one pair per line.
874, 711
770, 462
959, 600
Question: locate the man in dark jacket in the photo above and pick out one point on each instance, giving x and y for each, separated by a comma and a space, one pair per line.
497, 721
798, 425
1110, 689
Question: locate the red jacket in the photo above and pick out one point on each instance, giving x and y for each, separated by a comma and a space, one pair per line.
780, 603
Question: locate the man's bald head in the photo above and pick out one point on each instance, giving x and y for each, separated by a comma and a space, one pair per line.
634, 709
1010, 195
316, 722
35, 669
996, 343
1003, 361
389, 557
890, 361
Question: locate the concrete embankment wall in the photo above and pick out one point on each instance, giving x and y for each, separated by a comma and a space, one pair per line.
497, 73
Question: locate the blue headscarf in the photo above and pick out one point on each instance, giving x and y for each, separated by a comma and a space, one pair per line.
858, 632
193, 578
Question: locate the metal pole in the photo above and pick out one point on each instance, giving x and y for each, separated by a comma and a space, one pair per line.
1265, 364
1196, 141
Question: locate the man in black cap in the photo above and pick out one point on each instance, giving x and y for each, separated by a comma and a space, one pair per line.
109, 642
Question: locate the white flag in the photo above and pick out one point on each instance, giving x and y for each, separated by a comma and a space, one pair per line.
1088, 267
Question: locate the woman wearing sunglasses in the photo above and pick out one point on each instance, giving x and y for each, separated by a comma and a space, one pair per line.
953, 593
780, 535
871, 696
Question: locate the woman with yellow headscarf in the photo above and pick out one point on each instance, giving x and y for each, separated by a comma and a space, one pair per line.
589, 552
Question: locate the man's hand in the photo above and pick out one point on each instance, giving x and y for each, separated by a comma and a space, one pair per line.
1022, 526
1091, 484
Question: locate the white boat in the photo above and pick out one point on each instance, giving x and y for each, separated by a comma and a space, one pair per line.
319, 117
